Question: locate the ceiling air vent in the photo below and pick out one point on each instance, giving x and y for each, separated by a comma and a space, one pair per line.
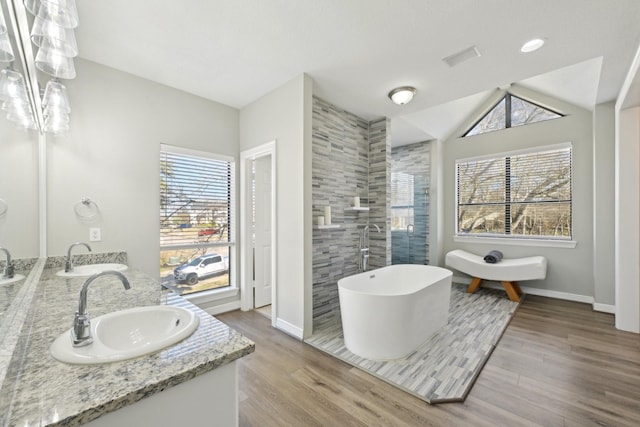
464, 55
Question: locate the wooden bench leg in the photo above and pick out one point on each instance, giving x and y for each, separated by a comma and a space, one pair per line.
474, 285
516, 286
511, 291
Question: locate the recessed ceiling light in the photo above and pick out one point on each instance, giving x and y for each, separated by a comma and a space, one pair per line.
402, 95
532, 45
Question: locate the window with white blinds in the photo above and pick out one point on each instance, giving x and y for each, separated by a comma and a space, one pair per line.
196, 191
520, 194
196, 220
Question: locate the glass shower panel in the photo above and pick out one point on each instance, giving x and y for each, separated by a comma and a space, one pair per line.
410, 204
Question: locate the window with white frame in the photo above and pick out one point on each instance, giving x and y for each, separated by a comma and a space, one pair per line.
196, 219
519, 194
511, 111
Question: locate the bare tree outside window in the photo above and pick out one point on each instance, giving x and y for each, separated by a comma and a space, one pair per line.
511, 111
195, 220
524, 195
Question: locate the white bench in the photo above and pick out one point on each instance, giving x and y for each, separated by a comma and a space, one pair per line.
508, 271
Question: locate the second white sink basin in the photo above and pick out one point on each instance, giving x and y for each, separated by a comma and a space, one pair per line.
91, 269
15, 278
127, 334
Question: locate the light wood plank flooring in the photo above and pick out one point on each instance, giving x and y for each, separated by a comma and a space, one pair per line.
558, 364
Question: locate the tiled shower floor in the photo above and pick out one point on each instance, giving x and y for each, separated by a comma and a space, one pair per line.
444, 368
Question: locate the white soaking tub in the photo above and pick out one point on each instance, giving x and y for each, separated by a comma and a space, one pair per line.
389, 312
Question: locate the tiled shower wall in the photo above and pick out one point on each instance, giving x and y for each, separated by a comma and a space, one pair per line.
379, 193
351, 157
340, 168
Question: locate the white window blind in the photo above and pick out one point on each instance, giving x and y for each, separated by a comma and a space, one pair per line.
196, 199
517, 194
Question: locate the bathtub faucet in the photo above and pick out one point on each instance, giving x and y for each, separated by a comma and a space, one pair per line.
363, 255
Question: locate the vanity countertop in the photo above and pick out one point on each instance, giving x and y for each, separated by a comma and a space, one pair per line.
40, 391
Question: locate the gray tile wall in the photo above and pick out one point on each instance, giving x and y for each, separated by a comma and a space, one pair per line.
351, 157
380, 193
340, 167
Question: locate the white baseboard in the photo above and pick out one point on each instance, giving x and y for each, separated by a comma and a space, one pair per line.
545, 293
605, 308
223, 308
289, 329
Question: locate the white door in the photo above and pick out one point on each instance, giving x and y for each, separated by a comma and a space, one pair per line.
262, 229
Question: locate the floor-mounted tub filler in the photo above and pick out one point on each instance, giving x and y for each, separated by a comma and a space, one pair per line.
389, 312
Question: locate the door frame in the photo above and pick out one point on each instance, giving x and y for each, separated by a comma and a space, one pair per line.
246, 253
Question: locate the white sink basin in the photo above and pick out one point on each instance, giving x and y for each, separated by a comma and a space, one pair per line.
127, 334
15, 278
91, 269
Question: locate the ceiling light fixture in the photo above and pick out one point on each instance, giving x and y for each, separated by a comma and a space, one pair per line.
532, 45
402, 95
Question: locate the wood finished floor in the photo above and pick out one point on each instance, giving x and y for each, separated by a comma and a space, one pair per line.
558, 364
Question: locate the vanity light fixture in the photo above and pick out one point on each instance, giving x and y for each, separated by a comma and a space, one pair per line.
52, 35
402, 95
532, 45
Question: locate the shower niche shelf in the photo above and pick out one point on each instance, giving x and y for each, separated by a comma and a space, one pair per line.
327, 226
353, 209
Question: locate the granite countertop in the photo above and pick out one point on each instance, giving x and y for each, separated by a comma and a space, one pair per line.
40, 391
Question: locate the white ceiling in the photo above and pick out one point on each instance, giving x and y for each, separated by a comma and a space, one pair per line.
356, 51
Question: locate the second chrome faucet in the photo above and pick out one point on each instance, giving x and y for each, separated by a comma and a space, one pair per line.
9, 269
68, 266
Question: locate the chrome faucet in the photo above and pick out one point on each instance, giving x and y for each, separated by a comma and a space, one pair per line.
81, 331
9, 269
363, 258
68, 266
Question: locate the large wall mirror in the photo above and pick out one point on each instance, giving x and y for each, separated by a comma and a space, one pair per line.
19, 164
19, 191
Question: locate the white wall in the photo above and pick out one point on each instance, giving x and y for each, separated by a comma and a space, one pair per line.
569, 269
604, 206
627, 197
19, 189
281, 115
112, 156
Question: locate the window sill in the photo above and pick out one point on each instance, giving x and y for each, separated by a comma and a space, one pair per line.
511, 241
211, 296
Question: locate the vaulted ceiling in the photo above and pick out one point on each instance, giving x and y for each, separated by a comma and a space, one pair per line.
356, 51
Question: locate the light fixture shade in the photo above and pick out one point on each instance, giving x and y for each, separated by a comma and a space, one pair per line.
17, 106
11, 85
402, 95
32, 6
3, 23
55, 64
47, 35
6, 51
62, 12
55, 97
57, 124
26, 122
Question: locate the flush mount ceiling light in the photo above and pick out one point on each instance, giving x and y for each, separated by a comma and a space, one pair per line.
532, 45
402, 95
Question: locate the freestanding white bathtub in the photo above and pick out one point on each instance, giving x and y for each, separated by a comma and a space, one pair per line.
389, 312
